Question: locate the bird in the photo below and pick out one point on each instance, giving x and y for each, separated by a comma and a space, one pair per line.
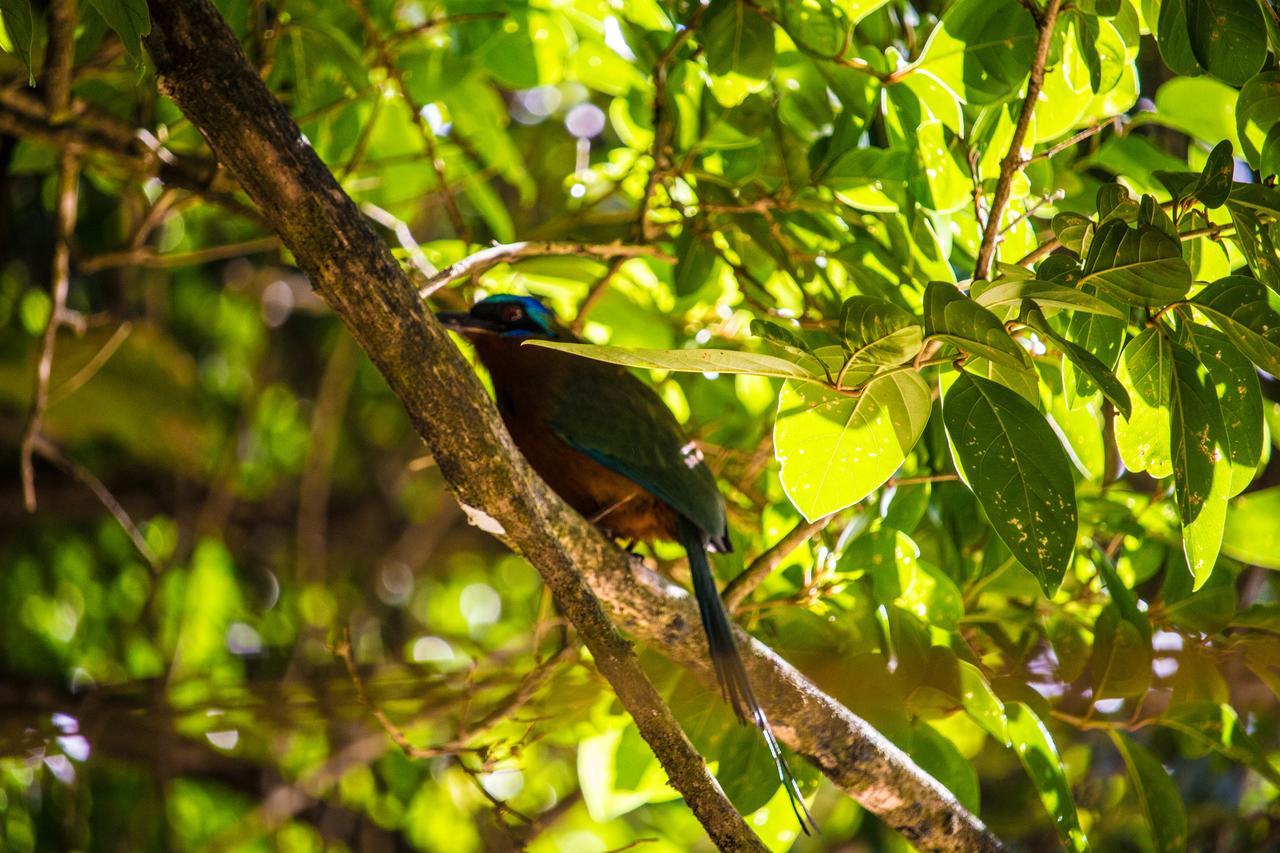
606, 443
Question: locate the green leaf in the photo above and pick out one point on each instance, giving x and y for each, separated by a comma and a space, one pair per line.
1070, 228
20, 27
981, 49
130, 19
1142, 266
1257, 111
1252, 534
1238, 306
1239, 399
901, 578
1173, 39
1255, 235
1228, 37
1046, 294
1121, 664
879, 332
951, 316
1036, 751
686, 360
1096, 333
1146, 368
1214, 184
1201, 474
784, 337
1017, 469
981, 702
1086, 361
1158, 794
1218, 727
835, 449
697, 264
739, 50
938, 757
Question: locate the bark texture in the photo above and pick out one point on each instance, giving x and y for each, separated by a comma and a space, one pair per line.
204, 70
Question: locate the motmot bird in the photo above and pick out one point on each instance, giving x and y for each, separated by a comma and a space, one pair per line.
605, 442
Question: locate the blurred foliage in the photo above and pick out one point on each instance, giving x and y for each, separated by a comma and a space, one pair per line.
1049, 573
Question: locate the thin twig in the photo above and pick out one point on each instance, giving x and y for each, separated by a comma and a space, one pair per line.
502, 253
764, 565
1089, 131
46, 449
1014, 161
91, 368
415, 109
661, 125
148, 257
596, 292
57, 80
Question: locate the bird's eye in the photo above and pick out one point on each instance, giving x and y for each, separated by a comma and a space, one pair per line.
512, 314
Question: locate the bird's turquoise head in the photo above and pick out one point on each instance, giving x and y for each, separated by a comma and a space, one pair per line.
506, 315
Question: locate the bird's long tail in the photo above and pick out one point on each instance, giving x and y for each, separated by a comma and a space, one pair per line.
731, 673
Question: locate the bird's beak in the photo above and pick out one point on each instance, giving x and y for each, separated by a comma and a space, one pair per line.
464, 323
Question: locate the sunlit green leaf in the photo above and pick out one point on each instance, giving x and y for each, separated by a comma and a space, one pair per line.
1201, 473
1156, 791
1141, 266
1039, 755
1146, 369
951, 316
835, 449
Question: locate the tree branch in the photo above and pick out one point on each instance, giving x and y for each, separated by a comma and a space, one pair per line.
58, 70
504, 253
202, 68
764, 565
1015, 160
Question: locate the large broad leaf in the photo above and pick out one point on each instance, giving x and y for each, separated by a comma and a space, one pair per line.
1238, 306
1040, 757
739, 50
1173, 41
1146, 369
1201, 471
951, 316
1218, 727
1239, 400
1084, 360
1157, 793
1142, 266
981, 49
1015, 465
686, 360
879, 332
1252, 533
1228, 37
1001, 296
835, 449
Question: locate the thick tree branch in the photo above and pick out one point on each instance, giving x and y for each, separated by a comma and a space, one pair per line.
1015, 160
202, 68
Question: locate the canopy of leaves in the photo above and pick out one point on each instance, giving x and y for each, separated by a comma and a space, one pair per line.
1050, 503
